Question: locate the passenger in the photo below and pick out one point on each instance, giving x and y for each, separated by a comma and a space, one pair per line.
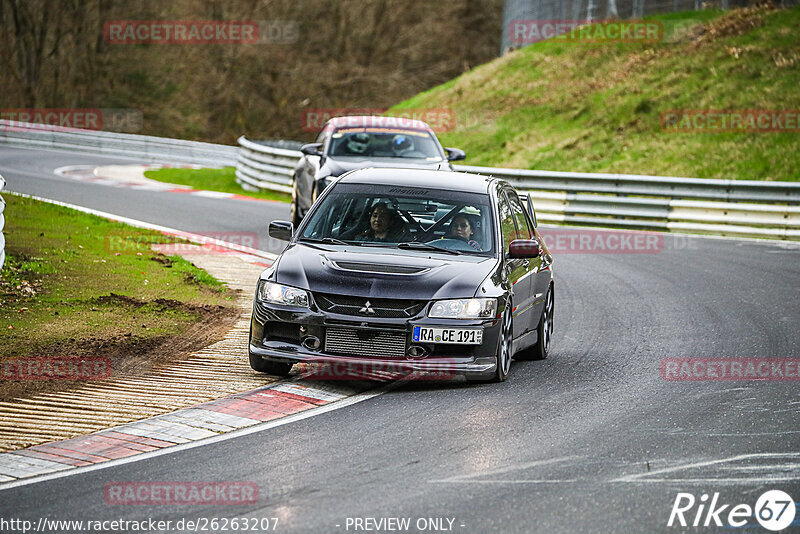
461, 228
385, 225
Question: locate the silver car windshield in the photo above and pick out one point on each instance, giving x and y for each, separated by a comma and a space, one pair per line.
384, 143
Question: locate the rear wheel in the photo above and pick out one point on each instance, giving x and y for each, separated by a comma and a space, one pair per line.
265, 366
544, 331
504, 346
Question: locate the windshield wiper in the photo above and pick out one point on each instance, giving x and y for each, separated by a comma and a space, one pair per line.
328, 240
416, 245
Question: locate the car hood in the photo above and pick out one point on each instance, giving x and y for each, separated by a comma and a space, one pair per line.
382, 272
339, 166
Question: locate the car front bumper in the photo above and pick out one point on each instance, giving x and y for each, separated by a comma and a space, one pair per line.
277, 333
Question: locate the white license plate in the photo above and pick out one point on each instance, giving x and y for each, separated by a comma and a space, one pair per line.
455, 336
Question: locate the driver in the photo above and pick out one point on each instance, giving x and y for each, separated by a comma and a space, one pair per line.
401, 145
461, 228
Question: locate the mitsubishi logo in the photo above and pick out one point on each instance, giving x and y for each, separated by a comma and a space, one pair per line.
367, 308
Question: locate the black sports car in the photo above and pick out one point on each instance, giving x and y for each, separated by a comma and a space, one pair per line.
349, 143
423, 270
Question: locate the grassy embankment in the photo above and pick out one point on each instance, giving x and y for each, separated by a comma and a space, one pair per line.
223, 180
595, 107
75, 285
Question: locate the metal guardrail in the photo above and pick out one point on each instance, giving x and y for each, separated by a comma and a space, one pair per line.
141, 147
2, 225
720, 207
261, 166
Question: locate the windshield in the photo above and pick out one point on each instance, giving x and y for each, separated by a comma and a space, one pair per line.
390, 216
384, 143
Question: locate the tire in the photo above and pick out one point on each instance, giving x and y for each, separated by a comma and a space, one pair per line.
504, 345
296, 217
544, 331
273, 368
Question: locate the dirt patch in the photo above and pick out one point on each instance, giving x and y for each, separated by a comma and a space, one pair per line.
737, 22
163, 260
128, 354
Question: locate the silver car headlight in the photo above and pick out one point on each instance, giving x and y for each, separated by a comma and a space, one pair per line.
281, 294
464, 309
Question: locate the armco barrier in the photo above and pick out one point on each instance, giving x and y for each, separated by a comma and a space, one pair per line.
723, 207
696, 205
2, 225
262, 166
141, 147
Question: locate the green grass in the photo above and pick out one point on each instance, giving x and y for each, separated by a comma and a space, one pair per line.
594, 107
222, 180
67, 281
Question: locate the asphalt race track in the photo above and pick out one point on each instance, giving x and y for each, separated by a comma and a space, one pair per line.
31, 172
591, 440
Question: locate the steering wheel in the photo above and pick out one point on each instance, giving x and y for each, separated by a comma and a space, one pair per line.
452, 244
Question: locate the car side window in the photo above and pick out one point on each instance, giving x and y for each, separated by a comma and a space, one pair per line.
507, 226
523, 228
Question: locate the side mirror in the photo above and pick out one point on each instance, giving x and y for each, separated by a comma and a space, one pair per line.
312, 149
524, 248
281, 230
455, 154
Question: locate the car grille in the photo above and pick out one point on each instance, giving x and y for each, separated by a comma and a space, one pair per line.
357, 306
353, 342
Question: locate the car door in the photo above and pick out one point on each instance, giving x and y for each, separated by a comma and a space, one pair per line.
528, 266
544, 275
515, 268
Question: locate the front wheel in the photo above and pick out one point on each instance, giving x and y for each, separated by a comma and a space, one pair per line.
297, 218
504, 346
272, 368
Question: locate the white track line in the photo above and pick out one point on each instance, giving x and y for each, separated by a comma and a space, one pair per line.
644, 477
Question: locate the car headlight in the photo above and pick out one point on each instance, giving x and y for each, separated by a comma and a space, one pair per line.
281, 294
463, 309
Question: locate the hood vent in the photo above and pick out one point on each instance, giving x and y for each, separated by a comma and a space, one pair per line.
378, 268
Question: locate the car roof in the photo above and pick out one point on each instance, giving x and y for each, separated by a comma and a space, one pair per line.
374, 121
453, 181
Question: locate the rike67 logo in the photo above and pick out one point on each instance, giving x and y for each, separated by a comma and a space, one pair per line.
774, 510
